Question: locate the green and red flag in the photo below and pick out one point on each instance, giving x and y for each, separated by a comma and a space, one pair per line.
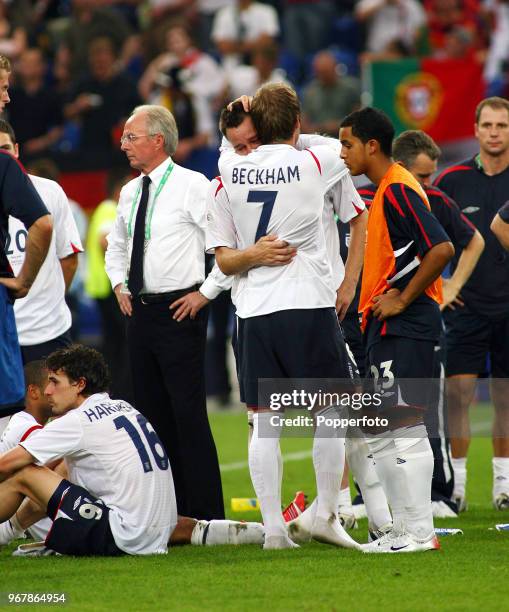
437, 96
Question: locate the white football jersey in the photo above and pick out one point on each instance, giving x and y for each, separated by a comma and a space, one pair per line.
278, 190
43, 314
20, 426
112, 451
344, 202
341, 201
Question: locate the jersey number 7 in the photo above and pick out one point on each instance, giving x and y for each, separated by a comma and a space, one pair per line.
267, 198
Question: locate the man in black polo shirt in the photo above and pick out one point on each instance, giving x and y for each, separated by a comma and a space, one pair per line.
19, 199
480, 328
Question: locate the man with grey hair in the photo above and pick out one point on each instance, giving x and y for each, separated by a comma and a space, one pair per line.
156, 264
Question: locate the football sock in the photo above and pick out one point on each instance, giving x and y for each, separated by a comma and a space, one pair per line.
329, 462
345, 500
265, 474
500, 475
459, 465
11, 530
363, 468
384, 453
415, 461
250, 425
212, 533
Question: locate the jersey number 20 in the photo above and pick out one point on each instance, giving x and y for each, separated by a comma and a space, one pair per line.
156, 447
267, 198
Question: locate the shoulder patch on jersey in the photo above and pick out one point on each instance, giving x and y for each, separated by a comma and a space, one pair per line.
316, 160
29, 431
449, 170
358, 210
220, 186
393, 200
22, 167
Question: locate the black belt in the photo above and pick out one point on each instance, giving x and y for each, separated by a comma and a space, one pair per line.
159, 298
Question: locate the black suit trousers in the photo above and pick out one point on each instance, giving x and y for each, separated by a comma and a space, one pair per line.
168, 374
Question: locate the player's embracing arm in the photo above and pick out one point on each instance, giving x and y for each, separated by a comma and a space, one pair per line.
406, 210
500, 226
221, 238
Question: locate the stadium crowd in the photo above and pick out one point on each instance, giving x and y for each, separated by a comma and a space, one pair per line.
128, 87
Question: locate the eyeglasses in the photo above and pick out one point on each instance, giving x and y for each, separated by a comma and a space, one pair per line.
133, 137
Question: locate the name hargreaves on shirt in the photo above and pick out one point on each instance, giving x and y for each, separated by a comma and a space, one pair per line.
265, 176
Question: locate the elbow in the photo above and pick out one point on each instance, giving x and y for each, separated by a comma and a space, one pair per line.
448, 252
45, 225
478, 241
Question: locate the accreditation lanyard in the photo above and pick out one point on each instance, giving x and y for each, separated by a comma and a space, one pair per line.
150, 212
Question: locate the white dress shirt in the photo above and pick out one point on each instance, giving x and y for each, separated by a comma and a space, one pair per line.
175, 253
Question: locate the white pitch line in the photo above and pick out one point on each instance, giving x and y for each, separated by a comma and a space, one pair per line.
240, 465
475, 428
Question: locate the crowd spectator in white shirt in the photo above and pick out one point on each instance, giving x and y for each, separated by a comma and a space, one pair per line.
245, 79
242, 26
43, 319
201, 78
156, 263
390, 20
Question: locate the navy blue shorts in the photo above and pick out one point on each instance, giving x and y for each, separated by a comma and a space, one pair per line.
403, 370
295, 344
12, 381
471, 338
81, 526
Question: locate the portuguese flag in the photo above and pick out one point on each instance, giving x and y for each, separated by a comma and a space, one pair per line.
437, 96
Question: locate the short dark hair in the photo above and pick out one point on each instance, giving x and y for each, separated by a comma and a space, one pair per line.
408, 145
494, 102
371, 124
275, 110
232, 118
36, 373
78, 361
6, 128
44, 167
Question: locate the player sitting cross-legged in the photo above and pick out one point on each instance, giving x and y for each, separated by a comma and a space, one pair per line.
119, 496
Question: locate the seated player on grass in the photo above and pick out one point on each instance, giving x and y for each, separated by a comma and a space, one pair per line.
23, 424
119, 497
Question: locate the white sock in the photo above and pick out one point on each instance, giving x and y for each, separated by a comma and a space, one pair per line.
384, 454
415, 460
345, 500
459, 465
500, 475
363, 468
329, 463
265, 473
213, 533
10, 530
250, 425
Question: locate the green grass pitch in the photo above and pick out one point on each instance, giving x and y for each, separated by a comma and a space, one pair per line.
471, 572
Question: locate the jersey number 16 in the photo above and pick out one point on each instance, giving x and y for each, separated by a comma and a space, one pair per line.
156, 447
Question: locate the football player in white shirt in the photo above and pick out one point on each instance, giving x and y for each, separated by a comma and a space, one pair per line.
288, 326
23, 424
342, 201
43, 319
120, 497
